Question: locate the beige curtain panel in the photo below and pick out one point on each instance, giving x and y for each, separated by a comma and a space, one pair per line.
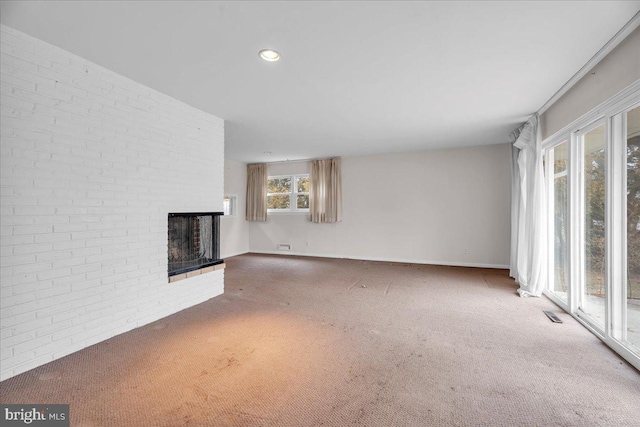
325, 195
256, 192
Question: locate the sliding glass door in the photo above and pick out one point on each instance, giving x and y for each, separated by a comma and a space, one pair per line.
631, 336
593, 181
592, 289
558, 163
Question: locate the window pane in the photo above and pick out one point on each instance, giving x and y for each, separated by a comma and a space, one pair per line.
303, 184
279, 202
560, 158
279, 185
593, 292
226, 206
633, 228
303, 201
560, 222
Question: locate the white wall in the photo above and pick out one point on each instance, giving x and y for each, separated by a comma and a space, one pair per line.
615, 72
443, 207
91, 164
234, 237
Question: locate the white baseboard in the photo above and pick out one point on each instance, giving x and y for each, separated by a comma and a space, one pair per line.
383, 259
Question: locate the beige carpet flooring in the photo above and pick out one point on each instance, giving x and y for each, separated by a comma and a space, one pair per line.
323, 342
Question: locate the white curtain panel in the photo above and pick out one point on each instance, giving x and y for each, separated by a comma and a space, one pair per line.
325, 195
256, 209
528, 211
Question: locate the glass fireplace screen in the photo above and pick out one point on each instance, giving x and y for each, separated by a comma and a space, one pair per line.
194, 241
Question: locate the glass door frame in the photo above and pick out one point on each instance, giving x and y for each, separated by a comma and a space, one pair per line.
550, 177
617, 209
578, 224
611, 113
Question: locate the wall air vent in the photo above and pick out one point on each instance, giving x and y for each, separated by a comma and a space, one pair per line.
284, 246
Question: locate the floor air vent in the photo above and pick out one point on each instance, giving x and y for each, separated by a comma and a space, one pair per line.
552, 316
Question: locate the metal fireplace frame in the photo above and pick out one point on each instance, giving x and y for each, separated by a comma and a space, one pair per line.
215, 236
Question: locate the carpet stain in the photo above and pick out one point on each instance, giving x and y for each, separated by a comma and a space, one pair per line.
50, 376
354, 284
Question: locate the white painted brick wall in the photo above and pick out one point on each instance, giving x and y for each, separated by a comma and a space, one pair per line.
92, 163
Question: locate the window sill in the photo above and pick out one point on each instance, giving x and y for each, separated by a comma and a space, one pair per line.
288, 213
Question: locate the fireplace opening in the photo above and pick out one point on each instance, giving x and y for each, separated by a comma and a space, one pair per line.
193, 241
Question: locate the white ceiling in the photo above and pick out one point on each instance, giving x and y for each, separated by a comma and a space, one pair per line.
354, 78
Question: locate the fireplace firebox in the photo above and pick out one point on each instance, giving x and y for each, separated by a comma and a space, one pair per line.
193, 241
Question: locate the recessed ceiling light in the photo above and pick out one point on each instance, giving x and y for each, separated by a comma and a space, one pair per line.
268, 153
269, 55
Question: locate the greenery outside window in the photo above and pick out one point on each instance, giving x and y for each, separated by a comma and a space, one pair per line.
288, 193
